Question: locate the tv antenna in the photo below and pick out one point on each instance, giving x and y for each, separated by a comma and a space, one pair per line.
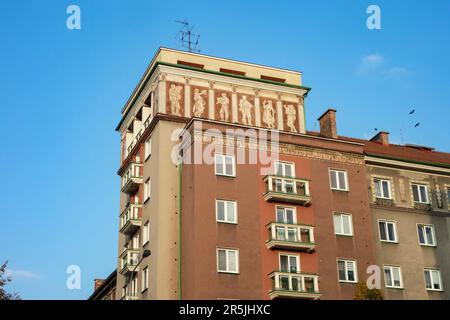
189, 40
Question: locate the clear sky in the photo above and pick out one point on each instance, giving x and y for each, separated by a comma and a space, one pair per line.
61, 92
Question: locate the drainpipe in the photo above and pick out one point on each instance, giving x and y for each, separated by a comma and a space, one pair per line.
180, 172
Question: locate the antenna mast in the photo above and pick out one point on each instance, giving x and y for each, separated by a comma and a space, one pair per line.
189, 40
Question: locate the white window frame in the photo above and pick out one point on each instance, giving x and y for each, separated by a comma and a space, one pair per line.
146, 233
147, 190
224, 166
355, 268
227, 250
431, 270
294, 209
338, 186
340, 214
391, 268
284, 164
226, 211
147, 148
289, 255
382, 195
418, 193
433, 230
387, 233
144, 279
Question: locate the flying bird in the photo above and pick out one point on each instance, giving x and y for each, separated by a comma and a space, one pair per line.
412, 111
417, 124
376, 129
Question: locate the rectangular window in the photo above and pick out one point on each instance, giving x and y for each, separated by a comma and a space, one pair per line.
289, 263
393, 277
147, 190
426, 235
420, 193
388, 231
146, 233
343, 224
286, 215
433, 280
382, 188
284, 169
144, 279
225, 165
228, 260
338, 180
226, 211
347, 271
148, 148
134, 286
135, 241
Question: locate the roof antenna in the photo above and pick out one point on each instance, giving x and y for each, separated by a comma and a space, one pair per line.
189, 40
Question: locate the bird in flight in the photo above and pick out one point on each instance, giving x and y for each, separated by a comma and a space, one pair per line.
412, 111
417, 124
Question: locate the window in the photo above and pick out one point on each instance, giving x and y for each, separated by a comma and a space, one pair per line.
148, 148
134, 286
433, 280
226, 211
347, 271
146, 233
343, 224
289, 263
144, 279
147, 190
225, 165
135, 241
420, 193
388, 231
284, 169
382, 188
426, 235
338, 180
393, 277
286, 215
228, 260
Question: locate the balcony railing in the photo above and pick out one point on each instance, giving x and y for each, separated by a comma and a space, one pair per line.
129, 296
294, 285
130, 220
291, 236
132, 177
289, 190
129, 259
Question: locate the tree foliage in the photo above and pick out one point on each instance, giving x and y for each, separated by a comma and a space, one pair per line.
362, 292
4, 280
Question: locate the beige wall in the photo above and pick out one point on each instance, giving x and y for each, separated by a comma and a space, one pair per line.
407, 253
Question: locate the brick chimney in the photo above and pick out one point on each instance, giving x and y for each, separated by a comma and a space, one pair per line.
328, 124
98, 283
381, 137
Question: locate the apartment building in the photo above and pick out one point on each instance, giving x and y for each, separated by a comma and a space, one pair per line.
305, 224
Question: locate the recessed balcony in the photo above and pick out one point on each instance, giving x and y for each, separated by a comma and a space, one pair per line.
287, 190
129, 259
294, 285
130, 220
291, 236
132, 177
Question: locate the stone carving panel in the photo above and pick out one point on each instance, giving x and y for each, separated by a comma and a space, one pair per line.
175, 98
246, 109
222, 106
268, 110
199, 101
290, 117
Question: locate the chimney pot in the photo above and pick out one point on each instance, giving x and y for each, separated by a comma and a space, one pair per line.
98, 283
327, 123
381, 137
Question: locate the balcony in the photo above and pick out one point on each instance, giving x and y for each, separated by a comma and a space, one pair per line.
129, 296
132, 177
129, 259
288, 190
130, 220
294, 285
291, 236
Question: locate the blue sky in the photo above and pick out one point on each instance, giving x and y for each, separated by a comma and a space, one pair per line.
61, 93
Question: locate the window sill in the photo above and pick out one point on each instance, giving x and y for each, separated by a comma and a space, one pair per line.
435, 290
428, 245
145, 290
395, 288
388, 242
340, 190
349, 282
344, 235
145, 243
228, 272
226, 222
225, 175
